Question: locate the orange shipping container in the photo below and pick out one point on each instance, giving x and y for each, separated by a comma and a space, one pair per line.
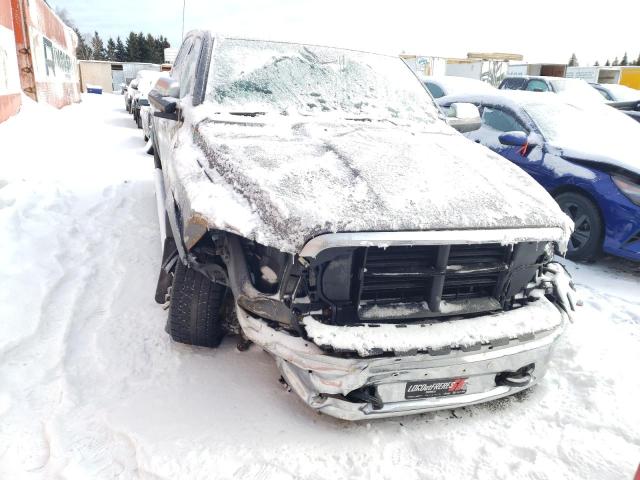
630, 76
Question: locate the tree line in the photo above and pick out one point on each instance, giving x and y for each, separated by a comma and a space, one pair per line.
137, 47
573, 61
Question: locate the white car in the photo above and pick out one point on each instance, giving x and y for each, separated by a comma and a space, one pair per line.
442, 86
128, 94
146, 81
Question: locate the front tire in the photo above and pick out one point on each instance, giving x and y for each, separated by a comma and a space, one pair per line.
586, 240
195, 309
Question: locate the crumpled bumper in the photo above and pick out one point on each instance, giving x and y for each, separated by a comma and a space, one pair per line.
323, 380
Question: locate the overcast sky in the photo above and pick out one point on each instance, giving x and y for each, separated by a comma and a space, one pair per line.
543, 30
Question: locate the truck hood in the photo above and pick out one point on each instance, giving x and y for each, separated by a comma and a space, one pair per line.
284, 182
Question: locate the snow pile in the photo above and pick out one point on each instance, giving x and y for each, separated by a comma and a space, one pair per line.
92, 387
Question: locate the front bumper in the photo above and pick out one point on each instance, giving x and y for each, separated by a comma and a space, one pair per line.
323, 380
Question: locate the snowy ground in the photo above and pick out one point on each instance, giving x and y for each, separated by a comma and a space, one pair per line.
92, 387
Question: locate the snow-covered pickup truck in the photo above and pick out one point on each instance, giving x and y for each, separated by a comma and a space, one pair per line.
315, 201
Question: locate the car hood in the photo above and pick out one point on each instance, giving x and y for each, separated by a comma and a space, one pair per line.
621, 152
282, 183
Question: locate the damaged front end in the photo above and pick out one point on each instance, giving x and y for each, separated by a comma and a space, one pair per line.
369, 325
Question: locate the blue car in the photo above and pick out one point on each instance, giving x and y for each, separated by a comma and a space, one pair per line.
586, 156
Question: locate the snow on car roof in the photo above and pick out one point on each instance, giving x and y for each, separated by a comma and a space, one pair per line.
621, 92
514, 99
458, 85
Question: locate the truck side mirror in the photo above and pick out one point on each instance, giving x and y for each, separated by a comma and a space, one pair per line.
164, 98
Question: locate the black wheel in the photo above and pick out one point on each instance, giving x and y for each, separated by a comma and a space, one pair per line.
146, 137
195, 308
586, 240
139, 120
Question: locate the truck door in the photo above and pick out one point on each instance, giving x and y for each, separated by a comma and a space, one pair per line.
184, 71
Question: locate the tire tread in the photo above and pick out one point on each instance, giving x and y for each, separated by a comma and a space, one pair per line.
195, 309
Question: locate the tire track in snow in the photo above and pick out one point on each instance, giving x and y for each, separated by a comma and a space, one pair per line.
35, 360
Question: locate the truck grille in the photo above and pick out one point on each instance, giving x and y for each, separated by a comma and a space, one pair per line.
398, 273
404, 283
463, 280
432, 273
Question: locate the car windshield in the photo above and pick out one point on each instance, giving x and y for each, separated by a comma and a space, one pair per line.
271, 77
576, 89
622, 93
566, 124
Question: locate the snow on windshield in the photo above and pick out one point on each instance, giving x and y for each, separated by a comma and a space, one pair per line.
622, 93
576, 89
258, 76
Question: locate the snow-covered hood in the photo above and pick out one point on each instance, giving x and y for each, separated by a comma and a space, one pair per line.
622, 153
282, 181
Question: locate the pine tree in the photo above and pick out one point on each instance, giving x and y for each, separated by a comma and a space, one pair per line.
133, 49
152, 49
99, 53
616, 62
144, 48
607, 63
164, 43
573, 61
121, 51
83, 50
638, 60
111, 49
597, 64
625, 60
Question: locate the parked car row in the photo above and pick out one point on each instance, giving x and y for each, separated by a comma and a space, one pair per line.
578, 91
318, 202
135, 94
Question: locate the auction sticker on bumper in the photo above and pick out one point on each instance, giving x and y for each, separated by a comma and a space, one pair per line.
435, 388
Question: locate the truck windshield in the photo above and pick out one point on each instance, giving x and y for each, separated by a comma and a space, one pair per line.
288, 79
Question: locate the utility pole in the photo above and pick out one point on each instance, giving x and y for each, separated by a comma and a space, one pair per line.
183, 6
